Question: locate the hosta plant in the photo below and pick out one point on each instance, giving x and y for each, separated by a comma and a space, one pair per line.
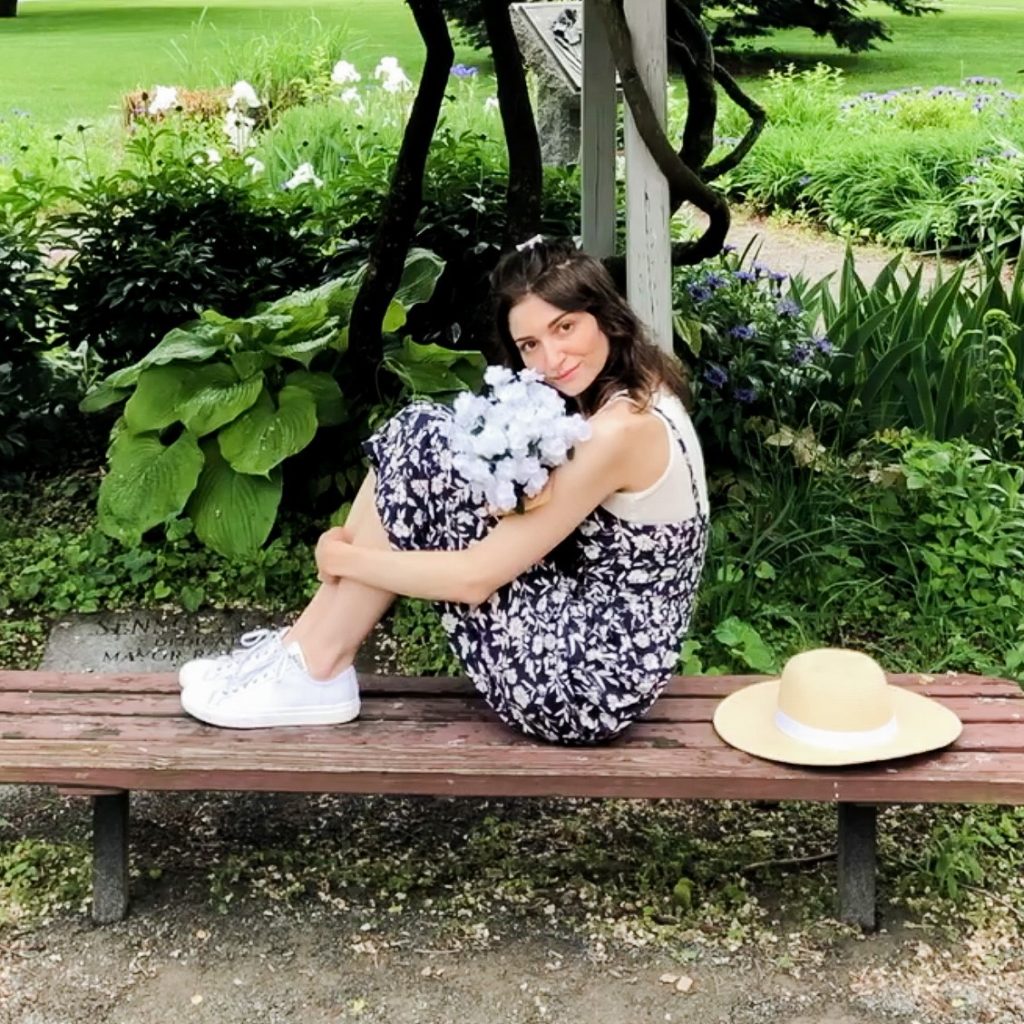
216, 408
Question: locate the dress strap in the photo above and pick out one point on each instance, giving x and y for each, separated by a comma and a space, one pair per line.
674, 431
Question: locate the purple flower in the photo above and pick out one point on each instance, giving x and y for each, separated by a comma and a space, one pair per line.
804, 179
778, 276
971, 179
714, 281
823, 345
1009, 154
716, 376
728, 248
464, 71
800, 355
982, 80
745, 395
698, 292
743, 332
744, 275
787, 307
760, 269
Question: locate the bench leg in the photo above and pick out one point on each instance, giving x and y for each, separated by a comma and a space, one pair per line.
109, 858
856, 864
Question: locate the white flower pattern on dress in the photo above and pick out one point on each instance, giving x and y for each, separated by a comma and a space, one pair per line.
568, 654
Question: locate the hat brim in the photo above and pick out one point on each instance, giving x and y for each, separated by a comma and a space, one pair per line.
746, 720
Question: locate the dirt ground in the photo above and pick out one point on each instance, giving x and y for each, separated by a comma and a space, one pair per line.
184, 954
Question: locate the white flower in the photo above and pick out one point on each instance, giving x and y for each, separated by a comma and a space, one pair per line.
304, 175
391, 75
211, 157
165, 97
344, 73
505, 442
491, 103
351, 98
257, 166
243, 95
238, 129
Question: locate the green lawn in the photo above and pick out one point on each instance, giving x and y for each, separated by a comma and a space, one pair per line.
64, 59
969, 37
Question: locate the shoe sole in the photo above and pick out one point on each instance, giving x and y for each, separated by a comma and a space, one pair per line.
333, 714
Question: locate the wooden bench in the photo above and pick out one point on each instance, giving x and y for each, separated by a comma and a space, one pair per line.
104, 735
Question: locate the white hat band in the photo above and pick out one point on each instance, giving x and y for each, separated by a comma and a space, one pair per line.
836, 739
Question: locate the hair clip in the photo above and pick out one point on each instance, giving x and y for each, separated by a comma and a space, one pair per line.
530, 243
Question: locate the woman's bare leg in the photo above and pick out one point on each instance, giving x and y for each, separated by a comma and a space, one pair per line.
341, 614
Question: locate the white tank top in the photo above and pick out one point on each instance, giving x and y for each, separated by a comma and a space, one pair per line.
670, 498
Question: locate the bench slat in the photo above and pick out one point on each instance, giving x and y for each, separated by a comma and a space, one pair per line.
680, 686
507, 770
976, 736
431, 709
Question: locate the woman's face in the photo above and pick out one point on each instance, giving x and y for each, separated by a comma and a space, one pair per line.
568, 349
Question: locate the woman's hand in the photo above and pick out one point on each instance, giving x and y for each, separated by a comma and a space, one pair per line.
332, 553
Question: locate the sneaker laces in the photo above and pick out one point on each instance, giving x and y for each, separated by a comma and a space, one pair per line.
272, 670
248, 645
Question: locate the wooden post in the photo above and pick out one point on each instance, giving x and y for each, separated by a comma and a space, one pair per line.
648, 244
109, 858
597, 143
856, 864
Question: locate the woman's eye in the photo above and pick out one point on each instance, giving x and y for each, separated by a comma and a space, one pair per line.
525, 347
566, 326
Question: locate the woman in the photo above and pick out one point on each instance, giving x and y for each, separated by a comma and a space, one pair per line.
569, 646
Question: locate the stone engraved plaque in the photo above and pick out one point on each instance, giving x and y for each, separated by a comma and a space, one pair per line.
551, 40
154, 641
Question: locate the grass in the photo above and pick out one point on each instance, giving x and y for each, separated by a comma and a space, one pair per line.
968, 38
73, 59
104, 48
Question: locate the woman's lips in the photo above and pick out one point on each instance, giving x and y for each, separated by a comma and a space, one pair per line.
568, 373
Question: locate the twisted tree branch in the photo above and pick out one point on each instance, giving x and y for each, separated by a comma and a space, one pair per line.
758, 118
685, 185
404, 200
525, 170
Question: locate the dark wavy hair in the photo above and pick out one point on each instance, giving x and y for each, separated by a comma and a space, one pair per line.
557, 272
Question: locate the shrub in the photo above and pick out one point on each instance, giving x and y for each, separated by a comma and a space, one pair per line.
151, 247
926, 169
221, 403
752, 355
948, 362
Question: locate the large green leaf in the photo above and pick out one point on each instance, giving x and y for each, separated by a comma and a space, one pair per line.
433, 370
147, 483
157, 398
330, 402
216, 396
193, 343
419, 276
266, 435
305, 348
102, 396
232, 513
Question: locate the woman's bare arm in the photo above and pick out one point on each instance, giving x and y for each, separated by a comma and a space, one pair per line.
600, 467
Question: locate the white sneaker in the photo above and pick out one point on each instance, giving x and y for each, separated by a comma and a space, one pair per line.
280, 692
255, 648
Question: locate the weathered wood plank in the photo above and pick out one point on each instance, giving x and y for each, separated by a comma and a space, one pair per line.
529, 770
74, 728
598, 129
990, 736
371, 685
431, 709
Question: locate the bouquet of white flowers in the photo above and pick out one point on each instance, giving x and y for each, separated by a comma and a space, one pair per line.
505, 442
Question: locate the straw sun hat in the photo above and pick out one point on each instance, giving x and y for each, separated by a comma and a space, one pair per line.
833, 707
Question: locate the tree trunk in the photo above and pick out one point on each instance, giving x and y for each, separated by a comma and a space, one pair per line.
405, 197
8, 8
525, 170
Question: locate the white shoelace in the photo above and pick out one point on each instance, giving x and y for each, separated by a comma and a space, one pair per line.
273, 668
251, 644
